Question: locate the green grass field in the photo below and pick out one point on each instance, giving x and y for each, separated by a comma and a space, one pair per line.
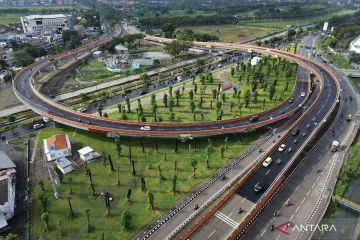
232, 106
104, 179
230, 33
356, 82
281, 24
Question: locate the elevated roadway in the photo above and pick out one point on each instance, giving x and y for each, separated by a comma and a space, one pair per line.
24, 89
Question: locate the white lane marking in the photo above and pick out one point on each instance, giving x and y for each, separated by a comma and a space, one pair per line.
226, 219
262, 233
243, 200
278, 237
230, 214
267, 172
297, 209
211, 233
297, 188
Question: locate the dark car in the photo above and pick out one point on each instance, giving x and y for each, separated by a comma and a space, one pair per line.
254, 118
295, 131
259, 186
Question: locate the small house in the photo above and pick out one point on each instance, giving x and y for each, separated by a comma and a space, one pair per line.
57, 146
86, 154
64, 165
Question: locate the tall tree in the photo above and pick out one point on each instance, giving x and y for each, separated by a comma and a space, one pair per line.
45, 219
125, 220
150, 198
194, 165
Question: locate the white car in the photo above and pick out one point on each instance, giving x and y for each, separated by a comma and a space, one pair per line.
145, 128
302, 94
267, 161
82, 109
282, 147
38, 126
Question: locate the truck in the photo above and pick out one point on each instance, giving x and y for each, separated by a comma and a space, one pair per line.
335, 146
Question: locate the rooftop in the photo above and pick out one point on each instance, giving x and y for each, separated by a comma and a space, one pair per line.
32, 17
56, 142
5, 161
85, 150
62, 162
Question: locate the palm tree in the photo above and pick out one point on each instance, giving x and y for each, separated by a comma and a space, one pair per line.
222, 151
177, 96
70, 185
150, 197
87, 211
165, 100
100, 108
125, 220
193, 164
128, 195
118, 146
174, 179
127, 100
71, 212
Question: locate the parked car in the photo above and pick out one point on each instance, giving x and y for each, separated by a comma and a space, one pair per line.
291, 100
302, 94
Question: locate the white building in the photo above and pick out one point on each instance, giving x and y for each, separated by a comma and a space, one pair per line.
355, 45
64, 165
57, 146
86, 154
255, 60
7, 189
43, 23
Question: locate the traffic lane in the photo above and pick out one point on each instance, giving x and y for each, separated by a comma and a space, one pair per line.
58, 112
224, 221
268, 175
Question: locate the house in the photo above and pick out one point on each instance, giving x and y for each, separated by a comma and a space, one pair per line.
240, 15
355, 45
57, 146
7, 189
86, 154
64, 165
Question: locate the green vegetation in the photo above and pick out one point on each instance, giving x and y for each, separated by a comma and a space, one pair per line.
154, 159
356, 83
255, 88
327, 42
230, 33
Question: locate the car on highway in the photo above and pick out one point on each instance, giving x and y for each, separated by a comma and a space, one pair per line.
302, 94
145, 128
38, 126
295, 131
267, 162
82, 109
349, 117
282, 147
291, 100
254, 118
220, 65
259, 186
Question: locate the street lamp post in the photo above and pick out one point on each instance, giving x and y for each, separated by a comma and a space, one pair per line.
273, 133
